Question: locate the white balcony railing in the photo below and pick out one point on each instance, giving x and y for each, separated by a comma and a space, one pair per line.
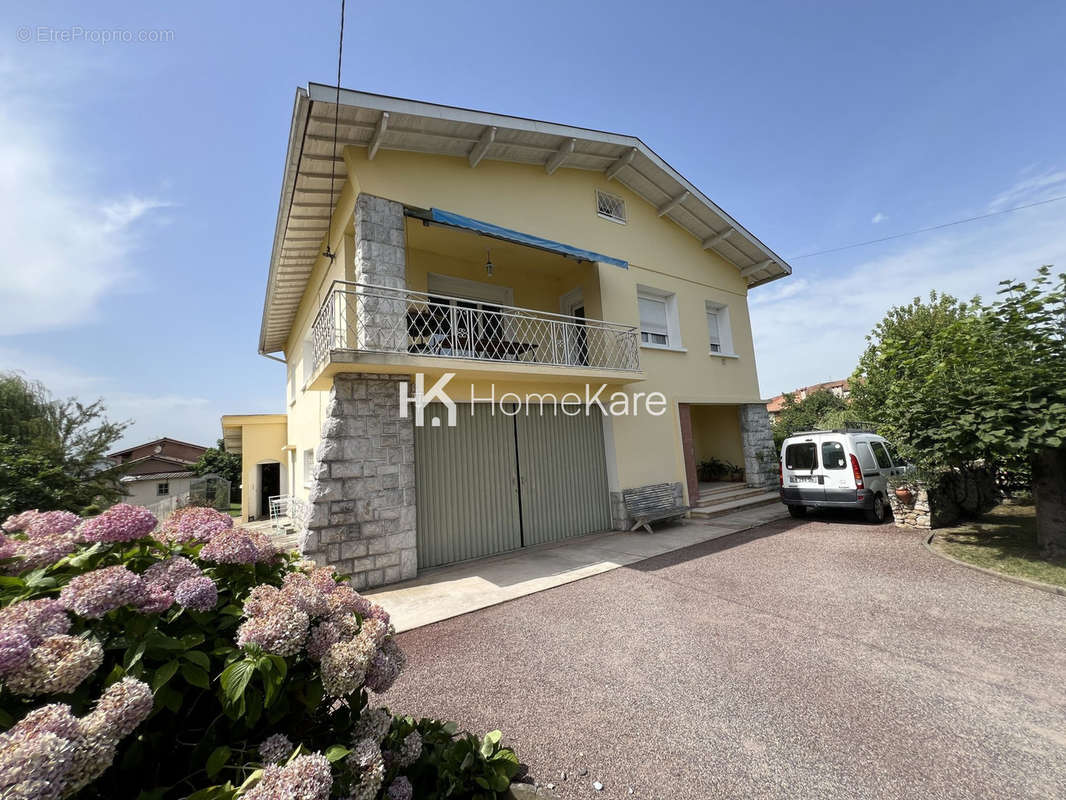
375, 319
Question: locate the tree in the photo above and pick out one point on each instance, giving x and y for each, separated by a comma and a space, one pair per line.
53, 452
961, 385
818, 410
216, 461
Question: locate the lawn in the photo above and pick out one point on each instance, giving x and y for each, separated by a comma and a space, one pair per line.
1004, 539
235, 510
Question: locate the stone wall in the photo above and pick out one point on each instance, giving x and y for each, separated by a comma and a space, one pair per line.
620, 519
362, 516
760, 455
959, 495
380, 260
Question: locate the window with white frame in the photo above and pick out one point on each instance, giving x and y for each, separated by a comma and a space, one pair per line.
659, 326
309, 466
719, 330
162, 489
610, 207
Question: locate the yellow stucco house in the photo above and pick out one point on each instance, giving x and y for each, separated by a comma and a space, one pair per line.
533, 267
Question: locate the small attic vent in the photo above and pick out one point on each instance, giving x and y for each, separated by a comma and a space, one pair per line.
611, 207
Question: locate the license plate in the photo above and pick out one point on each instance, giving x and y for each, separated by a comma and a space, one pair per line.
802, 479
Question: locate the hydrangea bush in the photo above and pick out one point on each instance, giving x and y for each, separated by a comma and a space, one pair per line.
192, 659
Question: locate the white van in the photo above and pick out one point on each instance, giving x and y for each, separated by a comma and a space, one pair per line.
837, 469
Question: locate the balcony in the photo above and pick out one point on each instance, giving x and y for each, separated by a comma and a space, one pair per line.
366, 325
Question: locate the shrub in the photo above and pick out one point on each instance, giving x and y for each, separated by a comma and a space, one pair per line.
194, 660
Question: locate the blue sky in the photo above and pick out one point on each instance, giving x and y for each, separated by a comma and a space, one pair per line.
139, 181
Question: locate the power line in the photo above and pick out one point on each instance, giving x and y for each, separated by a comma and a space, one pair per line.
926, 230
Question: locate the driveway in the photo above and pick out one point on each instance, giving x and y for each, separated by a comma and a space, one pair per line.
825, 659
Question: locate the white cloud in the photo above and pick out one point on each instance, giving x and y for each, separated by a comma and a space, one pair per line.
1031, 187
818, 332
66, 244
878, 217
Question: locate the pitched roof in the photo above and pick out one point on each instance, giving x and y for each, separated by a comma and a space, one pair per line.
156, 476
389, 123
160, 440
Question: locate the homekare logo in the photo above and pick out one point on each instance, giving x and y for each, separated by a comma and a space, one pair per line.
510, 404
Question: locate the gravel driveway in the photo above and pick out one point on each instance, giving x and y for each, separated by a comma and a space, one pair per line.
825, 659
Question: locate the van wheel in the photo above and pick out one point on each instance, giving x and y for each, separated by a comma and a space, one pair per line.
876, 512
799, 512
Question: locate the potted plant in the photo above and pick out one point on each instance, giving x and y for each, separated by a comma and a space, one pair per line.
905, 495
710, 469
736, 474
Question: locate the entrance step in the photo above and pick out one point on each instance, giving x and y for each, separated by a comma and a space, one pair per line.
735, 492
761, 497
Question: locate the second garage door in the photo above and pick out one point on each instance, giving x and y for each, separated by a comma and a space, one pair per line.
496, 483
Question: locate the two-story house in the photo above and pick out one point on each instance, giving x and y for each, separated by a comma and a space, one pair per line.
535, 263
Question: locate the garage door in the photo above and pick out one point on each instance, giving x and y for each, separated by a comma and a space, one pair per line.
496, 483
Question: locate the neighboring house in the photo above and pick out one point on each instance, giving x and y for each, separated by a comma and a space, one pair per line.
524, 257
837, 388
157, 470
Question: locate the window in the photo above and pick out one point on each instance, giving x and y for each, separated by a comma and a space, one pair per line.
659, 325
801, 456
896, 459
719, 331
833, 456
654, 321
883, 459
611, 207
866, 458
309, 466
162, 489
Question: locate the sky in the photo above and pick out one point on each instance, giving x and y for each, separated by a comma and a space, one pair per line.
139, 180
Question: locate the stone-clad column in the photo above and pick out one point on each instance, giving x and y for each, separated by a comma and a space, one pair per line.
362, 520
380, 260
760, 456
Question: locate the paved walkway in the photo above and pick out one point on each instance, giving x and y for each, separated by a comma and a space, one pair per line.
821, 659
447, 592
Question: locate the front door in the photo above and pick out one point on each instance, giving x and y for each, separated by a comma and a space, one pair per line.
269, 486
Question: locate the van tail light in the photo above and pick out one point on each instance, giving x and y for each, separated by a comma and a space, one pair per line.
780, 474
857, 472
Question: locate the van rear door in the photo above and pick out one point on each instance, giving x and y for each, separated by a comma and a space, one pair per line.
837, 474
800, 475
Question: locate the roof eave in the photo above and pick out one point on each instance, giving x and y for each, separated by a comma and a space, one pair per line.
300, 113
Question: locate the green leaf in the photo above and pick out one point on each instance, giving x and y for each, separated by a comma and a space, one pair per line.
234, 679
336, 753
164, 674
198, 657
196, 676
217, 760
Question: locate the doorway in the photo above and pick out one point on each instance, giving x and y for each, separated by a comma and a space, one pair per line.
269, 486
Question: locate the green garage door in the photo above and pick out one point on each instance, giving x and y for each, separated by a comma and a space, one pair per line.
466, 486
563, 475
496, 483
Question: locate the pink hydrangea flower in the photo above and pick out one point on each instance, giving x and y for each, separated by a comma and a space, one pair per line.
120, 523
385, 667
95, 593
15, 649
345, 600
305, 777
400, 789
238, 546
42, 550
197, 594
56, 666
38, 619
121, 708
281, 632
157, 599
19, 522
171, 571
8, 547
344, 666
275, 749
52, 522
194, 524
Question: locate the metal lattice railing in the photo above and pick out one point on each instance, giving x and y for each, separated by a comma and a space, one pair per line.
377, 319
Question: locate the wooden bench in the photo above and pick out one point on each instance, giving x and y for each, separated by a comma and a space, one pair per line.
650, 504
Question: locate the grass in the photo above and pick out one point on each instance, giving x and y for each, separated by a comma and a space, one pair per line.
1004, 539
235, 510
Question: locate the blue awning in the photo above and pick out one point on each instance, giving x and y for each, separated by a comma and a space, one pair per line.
495, 231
